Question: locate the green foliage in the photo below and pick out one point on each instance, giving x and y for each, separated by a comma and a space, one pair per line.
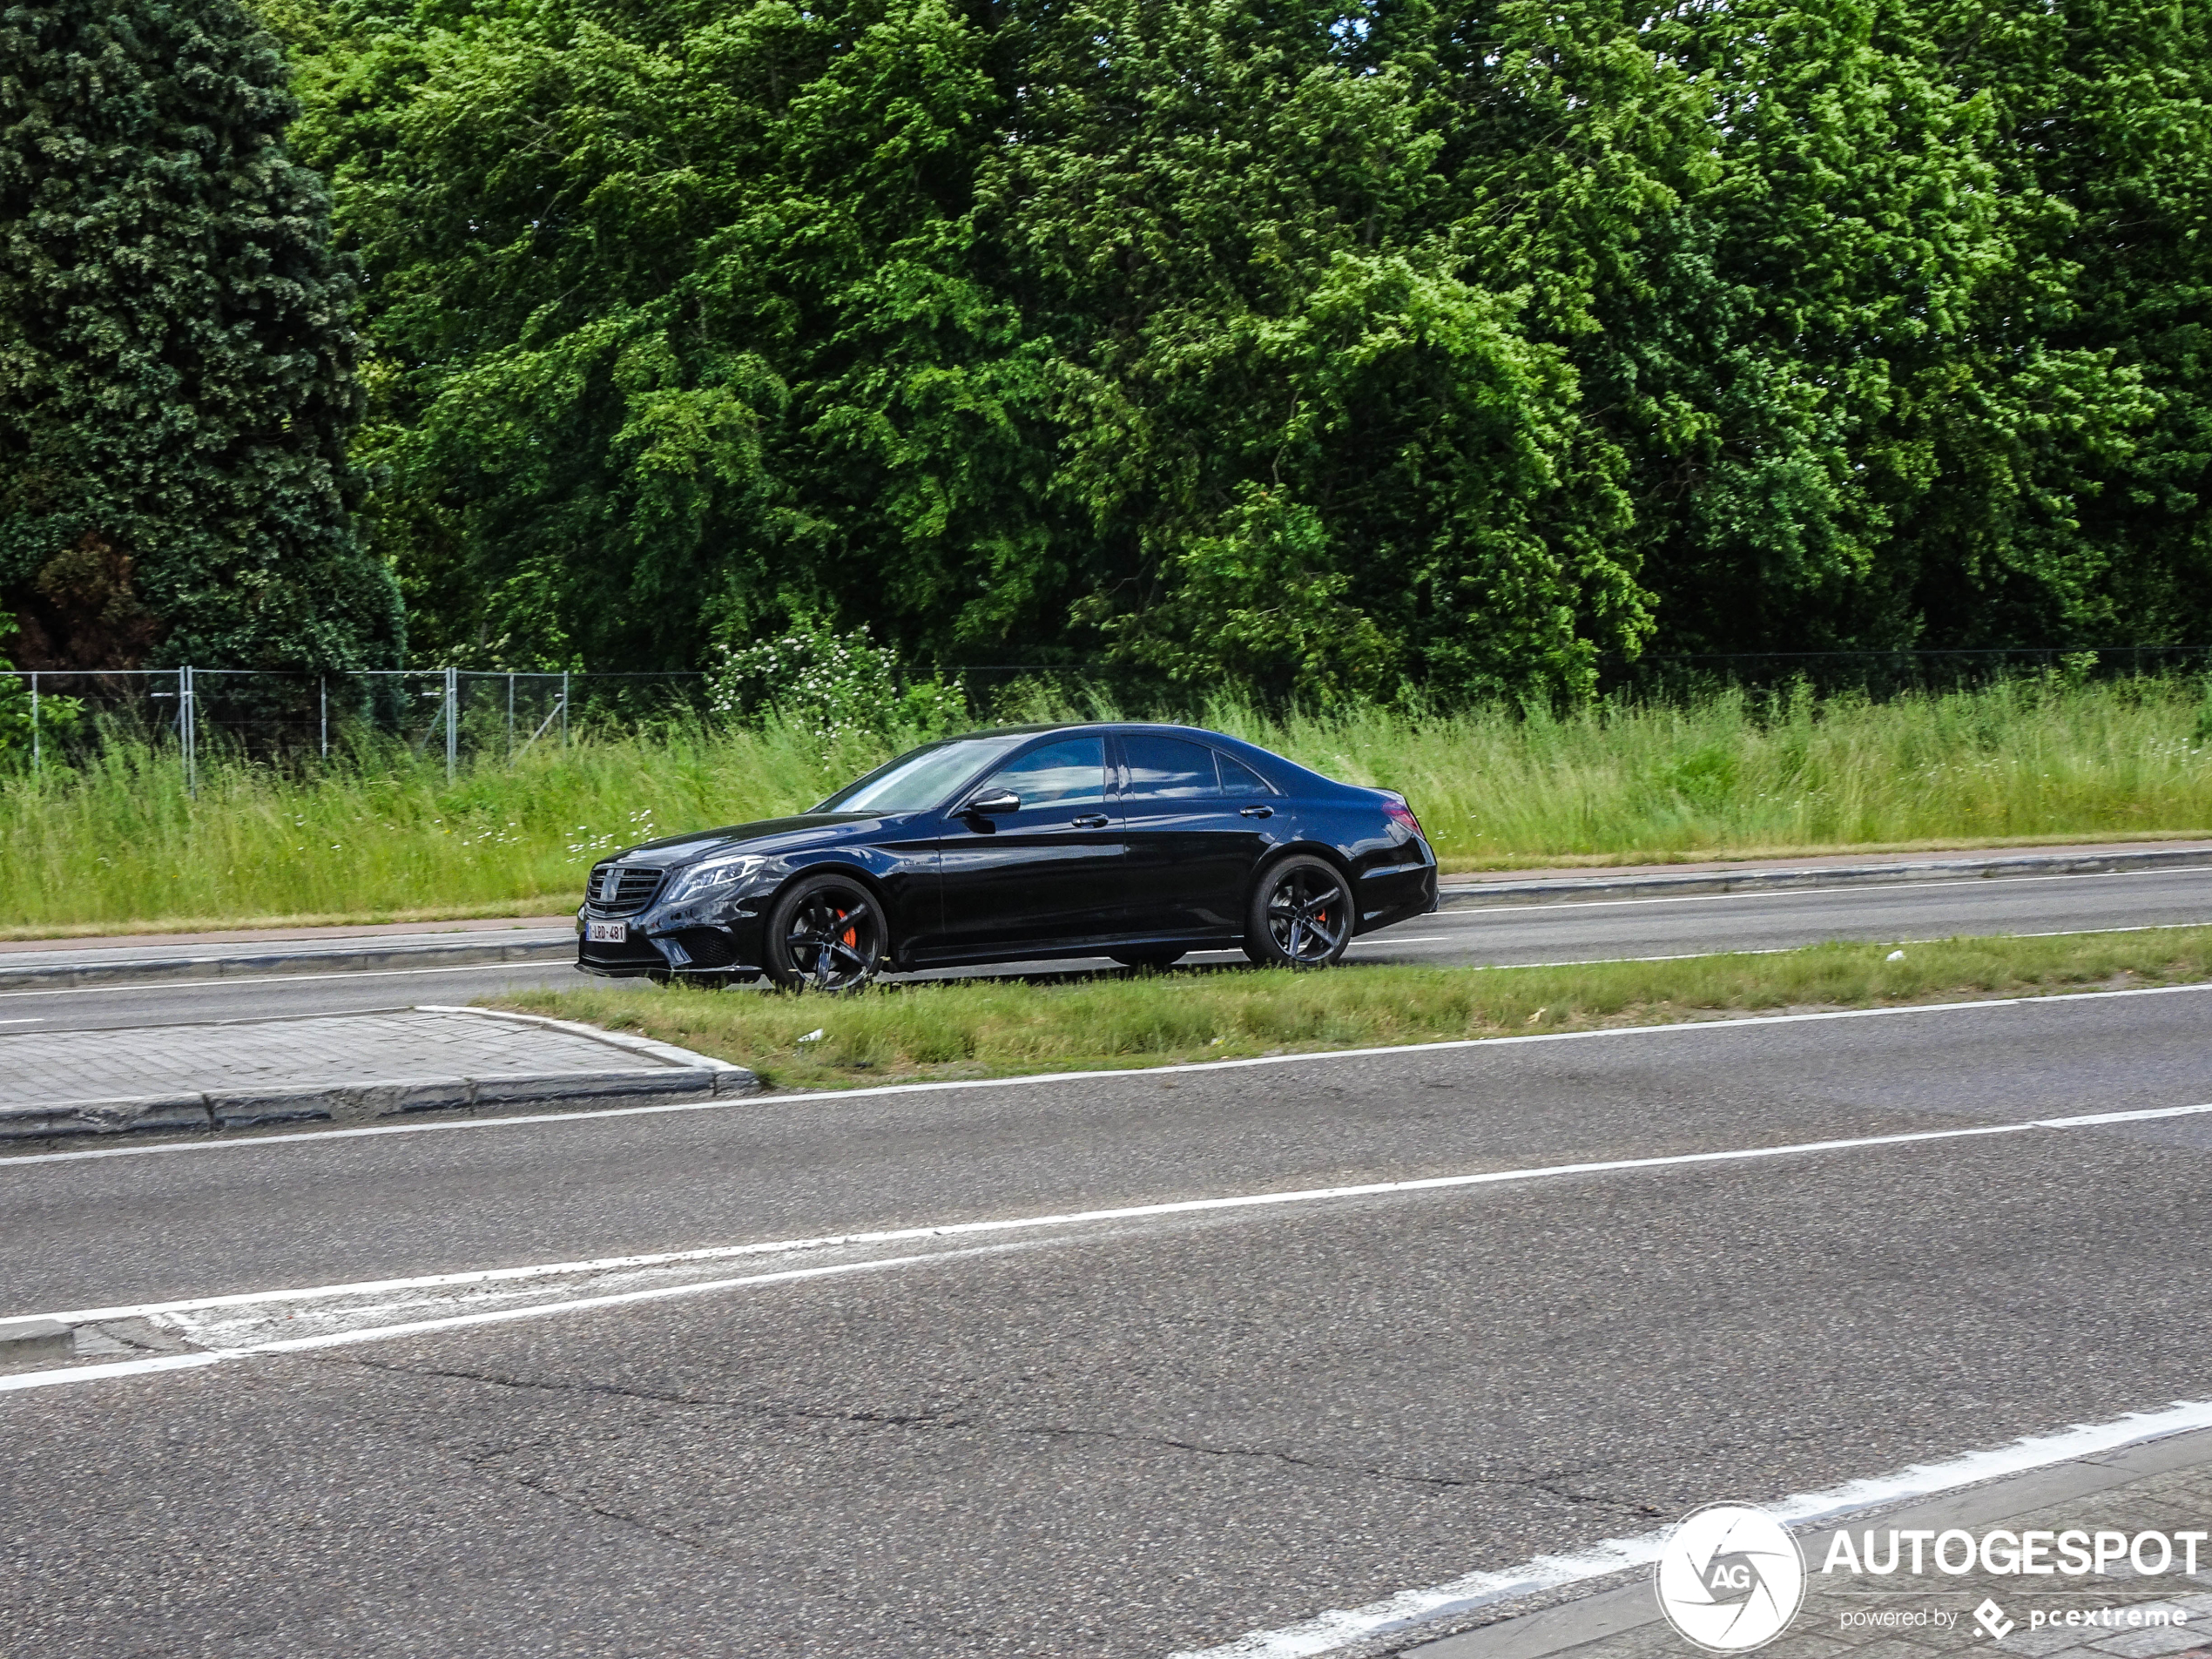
30, 725
175, 358
1427, 350
842, 686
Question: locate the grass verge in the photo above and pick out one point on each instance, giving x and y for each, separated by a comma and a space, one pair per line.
1001, 1027
115, 843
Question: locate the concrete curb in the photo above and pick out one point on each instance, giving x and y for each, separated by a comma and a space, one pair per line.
1858, 876
214, 1112
1632, 1606
664, 1051
327, 958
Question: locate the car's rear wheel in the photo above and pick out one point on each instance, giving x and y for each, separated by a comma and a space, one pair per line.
1301, 915
1147, 958
827, 933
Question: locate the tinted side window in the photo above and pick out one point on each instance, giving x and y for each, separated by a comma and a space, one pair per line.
1169, 769
1071, 772
1237, 779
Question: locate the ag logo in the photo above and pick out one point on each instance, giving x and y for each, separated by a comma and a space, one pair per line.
1731, 1578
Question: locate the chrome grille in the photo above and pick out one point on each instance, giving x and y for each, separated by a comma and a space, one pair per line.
616, 887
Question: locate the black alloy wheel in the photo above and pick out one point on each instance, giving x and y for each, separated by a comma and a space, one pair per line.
825, 935
1147, 958
1301, 915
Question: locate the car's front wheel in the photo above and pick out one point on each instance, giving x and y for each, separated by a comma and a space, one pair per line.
1301, 915
827, 933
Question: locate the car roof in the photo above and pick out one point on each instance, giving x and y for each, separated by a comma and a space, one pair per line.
1277, 768
1083, 725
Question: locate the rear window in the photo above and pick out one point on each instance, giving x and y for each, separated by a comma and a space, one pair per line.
1237, 779
1167, 769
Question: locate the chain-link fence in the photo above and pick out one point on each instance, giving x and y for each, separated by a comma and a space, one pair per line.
275, 715
452, 713
1884, 674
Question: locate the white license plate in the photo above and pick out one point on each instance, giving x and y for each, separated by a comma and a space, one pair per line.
607, 932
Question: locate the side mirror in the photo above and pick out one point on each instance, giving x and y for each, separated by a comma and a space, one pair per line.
992, 803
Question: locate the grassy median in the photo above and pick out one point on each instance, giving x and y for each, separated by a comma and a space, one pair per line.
998, 1027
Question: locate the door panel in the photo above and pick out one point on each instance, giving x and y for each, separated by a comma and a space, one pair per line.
1191, 855
1052, 871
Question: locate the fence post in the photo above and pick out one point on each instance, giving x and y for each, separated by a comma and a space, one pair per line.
34, 723
453, 718
565, 708
322, 696
510, 715
188, 729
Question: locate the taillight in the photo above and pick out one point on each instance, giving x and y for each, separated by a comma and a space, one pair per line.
1398, 813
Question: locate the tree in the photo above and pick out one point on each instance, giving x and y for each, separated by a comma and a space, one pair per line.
683, 329
176, 363
1450, 344
2096, 527
1318, 448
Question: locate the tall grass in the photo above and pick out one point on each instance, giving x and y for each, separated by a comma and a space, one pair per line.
1736, 776
115, 842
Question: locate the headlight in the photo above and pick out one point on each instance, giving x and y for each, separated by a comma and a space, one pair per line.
712, 876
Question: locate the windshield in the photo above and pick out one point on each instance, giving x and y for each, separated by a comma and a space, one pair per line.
914, 783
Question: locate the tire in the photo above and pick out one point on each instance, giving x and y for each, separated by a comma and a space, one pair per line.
1154, 959
1300, 915
827, 933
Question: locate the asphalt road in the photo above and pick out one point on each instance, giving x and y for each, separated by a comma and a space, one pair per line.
1567, 932
1132, 1435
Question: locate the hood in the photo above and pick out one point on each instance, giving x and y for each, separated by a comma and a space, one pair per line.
769, 835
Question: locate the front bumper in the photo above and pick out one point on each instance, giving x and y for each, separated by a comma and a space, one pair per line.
675, 940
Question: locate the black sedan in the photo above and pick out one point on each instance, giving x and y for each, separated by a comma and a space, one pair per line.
1140, 843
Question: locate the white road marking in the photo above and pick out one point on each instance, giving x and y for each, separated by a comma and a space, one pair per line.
23, 1021
1340, 1627
804, 1097
420, 1327
1062, 1221
1841, 890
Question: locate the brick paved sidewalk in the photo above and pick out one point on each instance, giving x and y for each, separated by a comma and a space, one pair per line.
2118, 1615
335, 1066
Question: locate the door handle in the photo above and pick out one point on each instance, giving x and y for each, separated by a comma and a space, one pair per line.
1095, 820
1256, 812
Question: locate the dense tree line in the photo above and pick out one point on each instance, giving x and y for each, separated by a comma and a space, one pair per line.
176, 357
1332, 347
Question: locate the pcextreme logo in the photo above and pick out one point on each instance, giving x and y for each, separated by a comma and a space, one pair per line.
1731, 1578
